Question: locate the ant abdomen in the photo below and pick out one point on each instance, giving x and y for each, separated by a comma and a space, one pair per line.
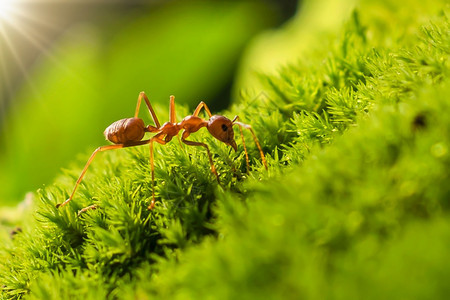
125, 131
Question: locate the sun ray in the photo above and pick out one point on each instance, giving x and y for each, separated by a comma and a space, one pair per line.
12, 64
10, 46
19, 28
28, 26
5, 7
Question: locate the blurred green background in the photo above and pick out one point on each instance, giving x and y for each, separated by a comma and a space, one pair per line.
71, 68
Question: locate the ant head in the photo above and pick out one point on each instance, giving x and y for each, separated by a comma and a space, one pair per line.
221, 128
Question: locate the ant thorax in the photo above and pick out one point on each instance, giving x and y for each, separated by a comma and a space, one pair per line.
192, 124
169, 129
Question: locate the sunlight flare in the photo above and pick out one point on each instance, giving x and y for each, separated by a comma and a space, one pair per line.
22, 31
6, 8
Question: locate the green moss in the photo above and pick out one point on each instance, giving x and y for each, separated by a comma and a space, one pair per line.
354, 204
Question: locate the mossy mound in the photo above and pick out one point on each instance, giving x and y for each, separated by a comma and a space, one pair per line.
355, 203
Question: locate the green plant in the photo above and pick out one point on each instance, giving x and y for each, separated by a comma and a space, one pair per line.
355, 203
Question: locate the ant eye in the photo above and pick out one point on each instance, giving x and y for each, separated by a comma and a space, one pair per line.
224, 127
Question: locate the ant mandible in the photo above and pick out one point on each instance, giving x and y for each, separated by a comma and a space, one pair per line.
129, 132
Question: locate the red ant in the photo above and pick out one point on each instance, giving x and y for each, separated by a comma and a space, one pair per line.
129, 132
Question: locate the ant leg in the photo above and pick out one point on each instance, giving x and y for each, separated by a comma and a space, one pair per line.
99, 149
173, 115
199, 107
247, 126
83, 210
172, 112
245, 149
150, 108
192, 143
152, 165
